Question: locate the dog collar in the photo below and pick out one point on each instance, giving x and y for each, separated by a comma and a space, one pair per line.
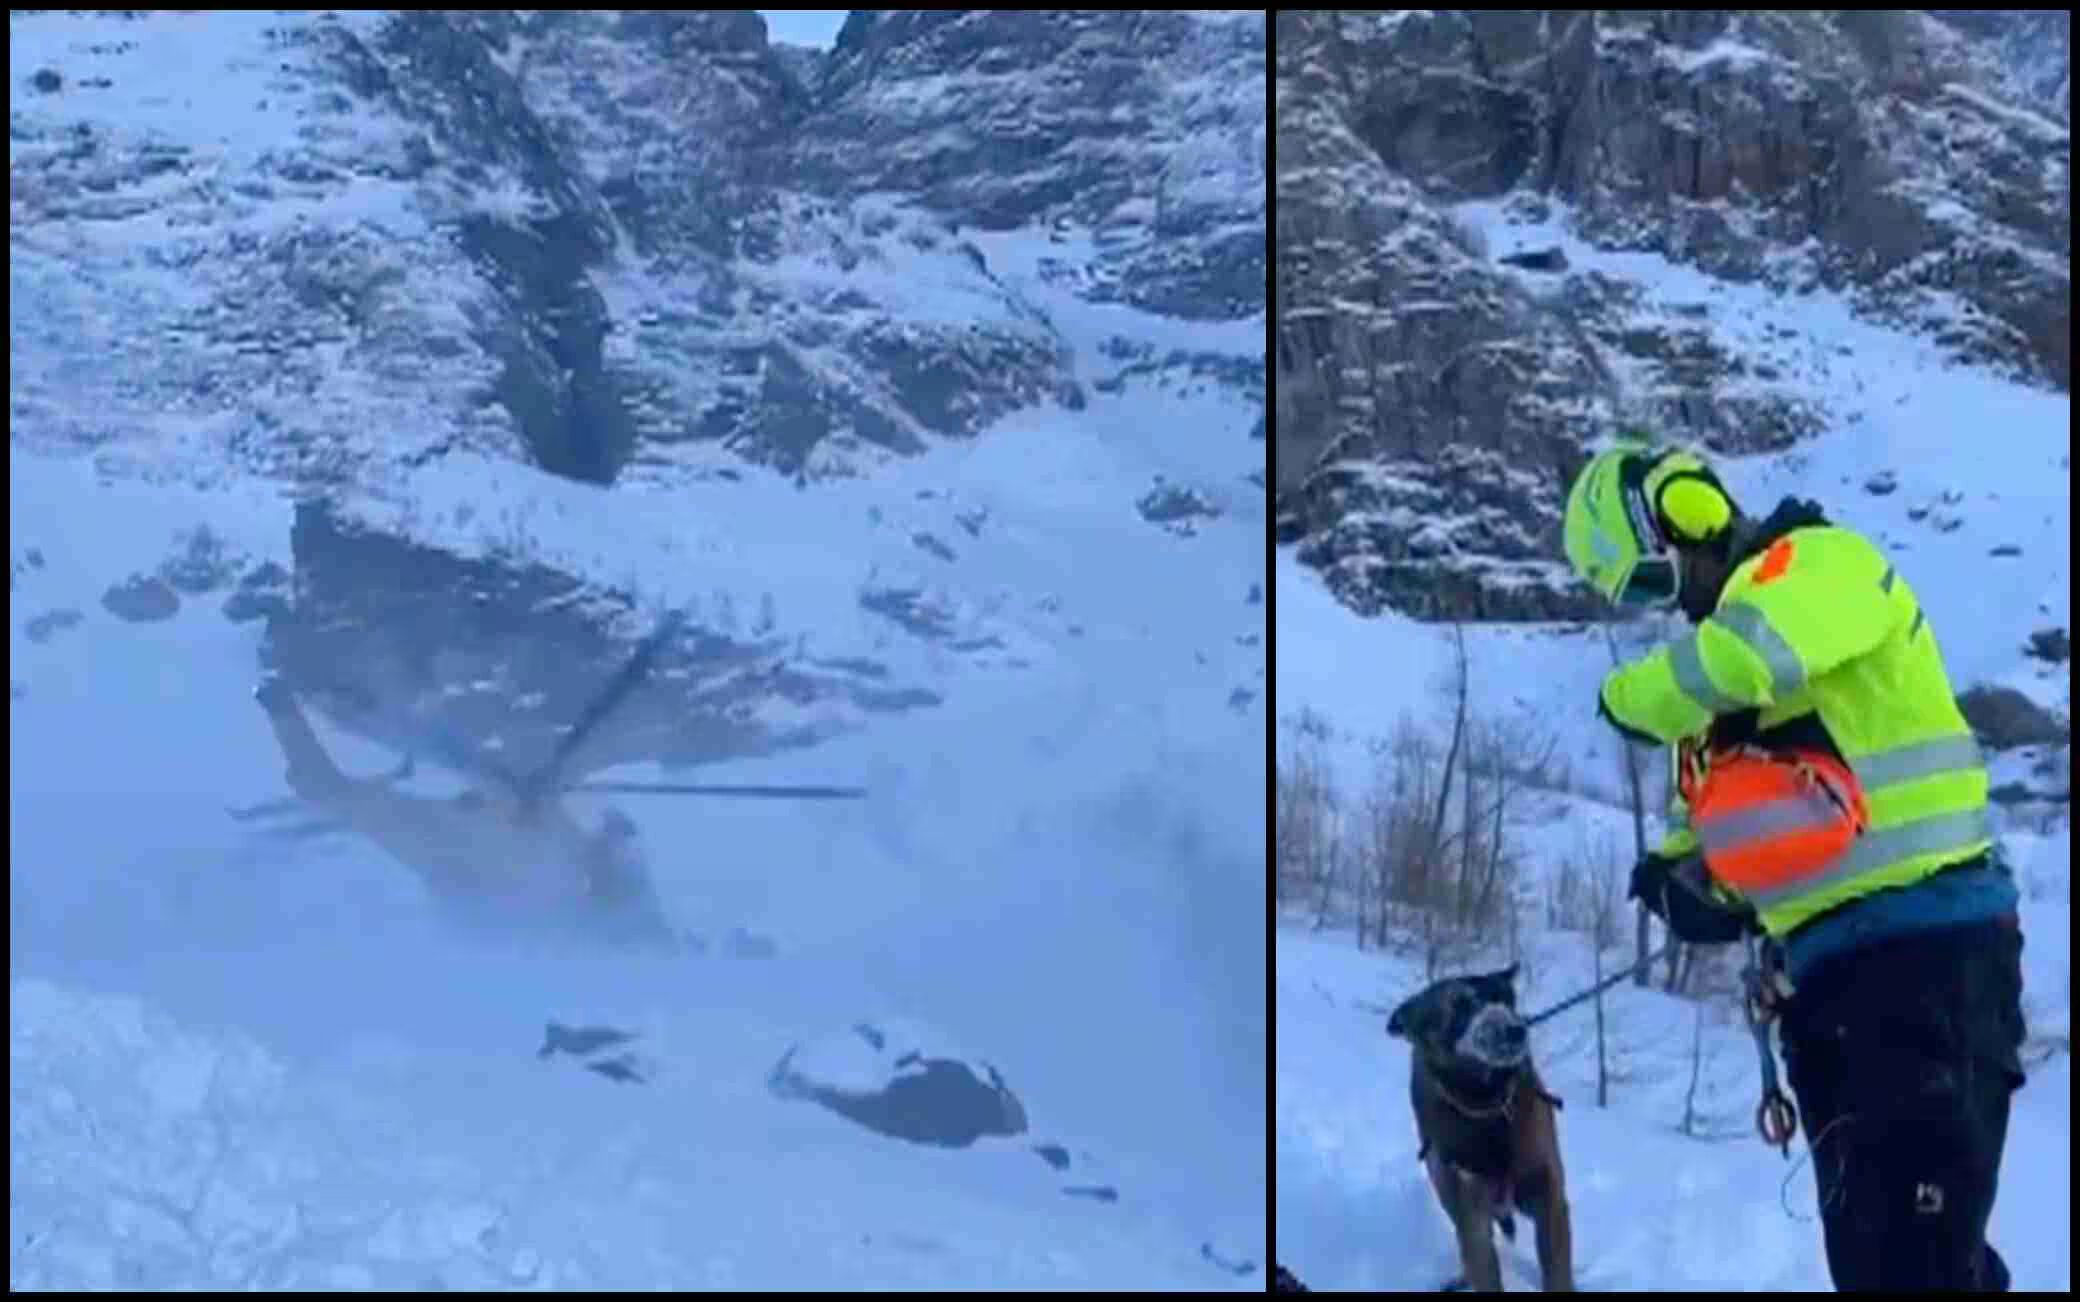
1500, 1108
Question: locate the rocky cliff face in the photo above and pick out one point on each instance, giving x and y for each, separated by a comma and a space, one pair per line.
1434, 393
1145, 126
609, 237
626, 247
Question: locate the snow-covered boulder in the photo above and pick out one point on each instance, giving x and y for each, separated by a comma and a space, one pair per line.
902, 1080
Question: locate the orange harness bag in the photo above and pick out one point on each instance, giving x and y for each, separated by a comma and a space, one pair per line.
1769, 822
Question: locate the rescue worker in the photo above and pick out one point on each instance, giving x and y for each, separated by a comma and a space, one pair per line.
487, 856
1831, 799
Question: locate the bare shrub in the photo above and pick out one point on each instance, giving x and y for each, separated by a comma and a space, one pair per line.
1307, 818
1421, 850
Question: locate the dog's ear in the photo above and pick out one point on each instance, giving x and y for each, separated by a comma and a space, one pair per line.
1417, 1015
1401, 1021
1506, 977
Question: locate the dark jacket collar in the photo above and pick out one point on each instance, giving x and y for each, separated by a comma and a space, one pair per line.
1791, 513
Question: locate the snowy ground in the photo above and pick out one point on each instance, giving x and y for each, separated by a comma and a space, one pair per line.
243, 1065
1653, 1210
1965, 479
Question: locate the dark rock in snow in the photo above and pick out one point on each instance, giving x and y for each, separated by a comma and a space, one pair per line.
46, 81
2005, 549
622, 1067
2051, 645
141, 599
41, 628
2004, 718
882, 1076
912, 608
1233, 1267
2017, 793
264, 592
1882, 484
579, 1040
1549, 259
927, 543
1174, 507
203, 563
1098, 1193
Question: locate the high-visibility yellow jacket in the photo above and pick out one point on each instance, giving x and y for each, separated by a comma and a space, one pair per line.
1818, 627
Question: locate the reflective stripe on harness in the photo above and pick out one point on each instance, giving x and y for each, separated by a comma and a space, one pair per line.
1771, 825
1770, 820
1777, 826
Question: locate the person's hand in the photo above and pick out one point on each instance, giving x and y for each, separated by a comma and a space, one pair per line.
1679, 892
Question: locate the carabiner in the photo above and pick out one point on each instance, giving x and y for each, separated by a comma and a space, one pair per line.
1776, 1119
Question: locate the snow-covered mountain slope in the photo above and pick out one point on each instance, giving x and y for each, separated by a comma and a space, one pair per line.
362, 253
272, 405
1963, 477
606, 242
1061, 864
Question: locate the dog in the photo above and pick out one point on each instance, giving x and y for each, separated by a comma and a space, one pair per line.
1486, 1125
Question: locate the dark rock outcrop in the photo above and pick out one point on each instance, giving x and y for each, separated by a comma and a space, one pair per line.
141, 599
485, 661
2004, 719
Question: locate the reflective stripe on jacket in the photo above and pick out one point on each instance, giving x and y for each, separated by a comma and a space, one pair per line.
1819, 623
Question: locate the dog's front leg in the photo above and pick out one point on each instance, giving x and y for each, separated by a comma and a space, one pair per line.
1545, 1201
1470, 1203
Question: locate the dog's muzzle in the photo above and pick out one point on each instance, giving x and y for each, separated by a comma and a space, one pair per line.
1496, 1037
